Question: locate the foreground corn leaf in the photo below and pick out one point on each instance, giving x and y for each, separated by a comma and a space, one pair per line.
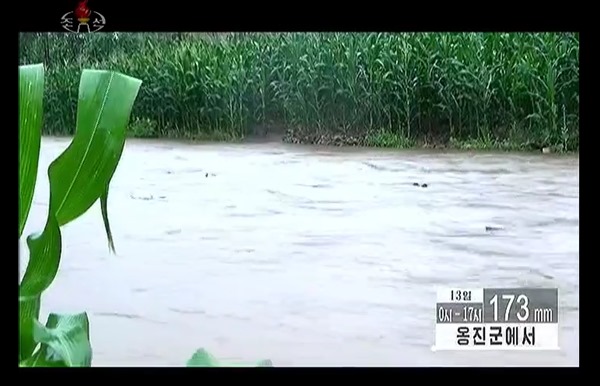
39, 359
31, 93
104, 209
78, 178
203, 358
29, 311
44, 258
82, 173
64, 341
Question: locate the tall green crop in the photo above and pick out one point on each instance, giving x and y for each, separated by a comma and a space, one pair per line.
518, 87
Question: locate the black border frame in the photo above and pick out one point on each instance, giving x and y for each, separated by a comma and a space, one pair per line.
332, 376
132, 16
183, 16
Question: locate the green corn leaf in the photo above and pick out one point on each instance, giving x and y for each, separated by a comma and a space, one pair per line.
64, 341
82, 173
203, 358
86, 166
29, 311
104, 208
41, 359
31, 94
44, 258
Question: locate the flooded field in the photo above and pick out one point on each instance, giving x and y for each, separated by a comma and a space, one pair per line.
312, 256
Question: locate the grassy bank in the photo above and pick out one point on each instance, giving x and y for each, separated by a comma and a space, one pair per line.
511, 91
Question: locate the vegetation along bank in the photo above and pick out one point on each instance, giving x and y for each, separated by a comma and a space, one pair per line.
478, 90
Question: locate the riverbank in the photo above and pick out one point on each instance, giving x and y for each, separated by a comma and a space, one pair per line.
504, 91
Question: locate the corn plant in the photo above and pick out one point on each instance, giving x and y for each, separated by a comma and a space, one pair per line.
79, 177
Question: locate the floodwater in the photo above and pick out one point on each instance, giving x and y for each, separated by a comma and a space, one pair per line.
312, 256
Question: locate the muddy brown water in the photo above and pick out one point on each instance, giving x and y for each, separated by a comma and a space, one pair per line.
311, 256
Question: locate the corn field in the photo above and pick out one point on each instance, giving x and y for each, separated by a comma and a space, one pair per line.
521, 88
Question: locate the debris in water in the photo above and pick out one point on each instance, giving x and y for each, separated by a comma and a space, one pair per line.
141, 197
